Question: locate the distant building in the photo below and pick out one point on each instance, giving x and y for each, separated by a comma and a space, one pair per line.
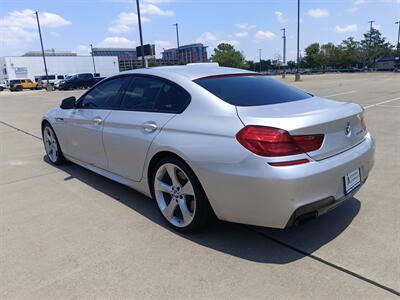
192, 53
127, 57
50, 52
23, 67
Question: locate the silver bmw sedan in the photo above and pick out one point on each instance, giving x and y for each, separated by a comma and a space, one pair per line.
210, 142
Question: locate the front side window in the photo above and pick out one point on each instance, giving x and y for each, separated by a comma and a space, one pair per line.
103, 96
250, 89
154, 94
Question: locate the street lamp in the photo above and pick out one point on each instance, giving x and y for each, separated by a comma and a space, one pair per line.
140, 33
297, 76
370, 40
284, 52
398, 39
177, 39
48, 87
259, 53
177, 34
94, 65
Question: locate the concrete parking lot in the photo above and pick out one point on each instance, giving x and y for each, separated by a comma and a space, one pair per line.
69, 233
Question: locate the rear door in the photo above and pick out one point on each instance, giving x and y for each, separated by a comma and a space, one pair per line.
147, 105
84, 124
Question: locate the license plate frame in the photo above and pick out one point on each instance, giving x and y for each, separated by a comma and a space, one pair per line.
351, 181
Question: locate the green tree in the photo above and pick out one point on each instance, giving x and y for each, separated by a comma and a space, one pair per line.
350, 53
374, 45
226, 55
314, 56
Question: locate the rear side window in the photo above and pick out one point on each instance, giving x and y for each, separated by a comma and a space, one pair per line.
154, 95
250, 90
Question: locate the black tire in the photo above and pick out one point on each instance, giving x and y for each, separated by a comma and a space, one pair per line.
60, 156
203, 214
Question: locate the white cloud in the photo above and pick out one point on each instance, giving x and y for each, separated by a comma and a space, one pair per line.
26, 19
125, 22
356, 6
264, 35
117, 41
161, 45
280, 17
246, 26
241, 34
55, 34
19, 28
318, 13
344, 29
151, 9
206, 37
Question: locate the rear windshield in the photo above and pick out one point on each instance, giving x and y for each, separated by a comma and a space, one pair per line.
250, 90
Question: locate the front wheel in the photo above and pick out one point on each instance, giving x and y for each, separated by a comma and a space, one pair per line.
51, 145
180, 196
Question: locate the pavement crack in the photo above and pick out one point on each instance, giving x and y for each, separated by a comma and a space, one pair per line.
325, 262
28, 178
20, 130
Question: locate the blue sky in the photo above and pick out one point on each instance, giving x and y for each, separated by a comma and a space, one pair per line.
249, 25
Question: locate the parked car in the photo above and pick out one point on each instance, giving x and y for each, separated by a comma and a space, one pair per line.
58, 81
42, 79
20, 84
207, 141
3, 86
78, 81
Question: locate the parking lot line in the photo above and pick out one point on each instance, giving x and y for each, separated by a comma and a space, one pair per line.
382, 102
339, 94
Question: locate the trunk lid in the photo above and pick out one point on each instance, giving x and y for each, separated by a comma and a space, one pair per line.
340, 122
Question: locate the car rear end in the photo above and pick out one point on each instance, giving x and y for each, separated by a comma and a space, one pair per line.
304, 155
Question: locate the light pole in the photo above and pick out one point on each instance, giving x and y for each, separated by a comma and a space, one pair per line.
48, 87
297, 76
370, 40
259, 53
177, 37
177, 34
94, 65
284, 52
398, 39
140, 33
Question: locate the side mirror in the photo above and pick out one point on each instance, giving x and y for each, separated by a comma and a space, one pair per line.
68, 103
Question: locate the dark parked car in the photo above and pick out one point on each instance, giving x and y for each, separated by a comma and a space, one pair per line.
78, 81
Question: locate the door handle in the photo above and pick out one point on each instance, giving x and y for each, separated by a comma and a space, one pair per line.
149, 126
98, 121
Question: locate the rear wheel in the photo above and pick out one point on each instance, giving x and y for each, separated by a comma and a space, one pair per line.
53, 150
179, 195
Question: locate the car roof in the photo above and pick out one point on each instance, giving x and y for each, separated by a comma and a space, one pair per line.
190, 71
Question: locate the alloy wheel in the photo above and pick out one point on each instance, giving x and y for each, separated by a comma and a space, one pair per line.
50, 143
175, 195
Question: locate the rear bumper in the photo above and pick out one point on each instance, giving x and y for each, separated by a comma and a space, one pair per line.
252, 192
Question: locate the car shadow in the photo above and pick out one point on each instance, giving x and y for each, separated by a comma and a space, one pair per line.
251, 243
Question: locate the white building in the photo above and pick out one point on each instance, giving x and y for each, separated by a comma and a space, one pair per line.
14, 67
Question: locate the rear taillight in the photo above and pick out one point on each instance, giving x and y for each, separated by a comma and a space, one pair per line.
273, 142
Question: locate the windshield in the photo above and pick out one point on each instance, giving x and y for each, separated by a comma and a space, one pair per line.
250, 89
